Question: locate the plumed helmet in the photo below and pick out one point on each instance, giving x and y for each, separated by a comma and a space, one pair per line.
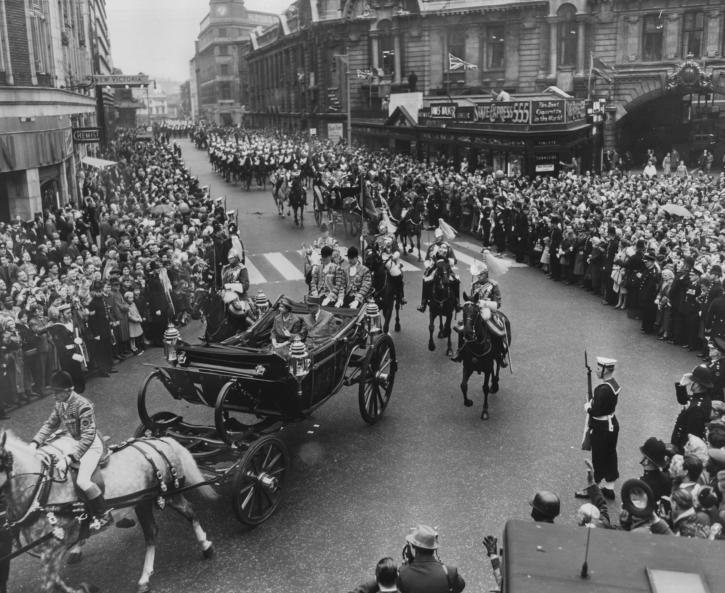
61, 380
234, 253
438, 233
547, 503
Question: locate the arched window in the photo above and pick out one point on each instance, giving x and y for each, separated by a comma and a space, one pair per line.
568, 35
386, 48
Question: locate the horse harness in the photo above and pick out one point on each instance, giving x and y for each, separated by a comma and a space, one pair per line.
38, 504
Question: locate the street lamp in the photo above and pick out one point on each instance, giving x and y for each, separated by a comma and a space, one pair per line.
344, 59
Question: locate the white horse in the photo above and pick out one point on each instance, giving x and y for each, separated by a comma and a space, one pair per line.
128, 477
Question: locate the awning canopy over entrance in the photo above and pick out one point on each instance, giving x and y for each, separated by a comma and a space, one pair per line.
97, 163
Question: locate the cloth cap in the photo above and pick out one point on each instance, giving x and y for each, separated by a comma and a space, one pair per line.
606, 362
424, 537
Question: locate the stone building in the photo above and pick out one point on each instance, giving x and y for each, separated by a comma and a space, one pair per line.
48, 50
215, 65
519, 54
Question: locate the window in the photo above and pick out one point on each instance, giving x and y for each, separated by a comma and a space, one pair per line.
568, 35
225, 90
652, 38
386, 49
39, 33
224, 69
693, 26
221, 32
495, 47
223, 50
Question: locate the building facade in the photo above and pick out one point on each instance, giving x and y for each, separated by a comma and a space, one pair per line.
658, 71
215, 66
48, 51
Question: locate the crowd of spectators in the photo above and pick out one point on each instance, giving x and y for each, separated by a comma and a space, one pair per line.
85, 285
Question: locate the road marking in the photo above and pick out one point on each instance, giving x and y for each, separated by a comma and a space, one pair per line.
284, 266
255, 276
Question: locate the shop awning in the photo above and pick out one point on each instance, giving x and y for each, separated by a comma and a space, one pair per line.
97, 163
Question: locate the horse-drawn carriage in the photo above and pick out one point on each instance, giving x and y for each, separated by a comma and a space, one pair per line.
254, 391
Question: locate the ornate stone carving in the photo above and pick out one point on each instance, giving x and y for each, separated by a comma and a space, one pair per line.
689, 77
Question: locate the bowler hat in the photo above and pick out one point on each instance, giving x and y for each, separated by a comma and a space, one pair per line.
424, 537
61, 380
655, 450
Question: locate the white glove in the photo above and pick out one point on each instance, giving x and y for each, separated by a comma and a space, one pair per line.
338, 304
354, 305
326, 301
77, 358
34, 445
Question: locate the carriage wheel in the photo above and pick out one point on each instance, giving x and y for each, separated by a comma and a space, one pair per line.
377, 378
161, 420
231, 424
259, 480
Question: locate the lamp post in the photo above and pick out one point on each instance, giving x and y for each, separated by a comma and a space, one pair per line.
344, 59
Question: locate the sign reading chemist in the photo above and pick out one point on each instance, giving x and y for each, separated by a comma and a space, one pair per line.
86, 135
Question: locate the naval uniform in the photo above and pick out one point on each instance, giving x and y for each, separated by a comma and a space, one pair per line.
604, 431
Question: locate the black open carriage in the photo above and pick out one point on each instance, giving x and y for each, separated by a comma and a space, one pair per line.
254, 392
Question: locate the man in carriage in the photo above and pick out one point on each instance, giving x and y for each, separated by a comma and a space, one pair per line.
440, 250
487, 294
324, 278
354, 282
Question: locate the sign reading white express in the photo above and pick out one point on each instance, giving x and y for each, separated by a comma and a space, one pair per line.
506, 112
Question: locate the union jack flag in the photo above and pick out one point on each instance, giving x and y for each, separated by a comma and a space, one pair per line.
455, 63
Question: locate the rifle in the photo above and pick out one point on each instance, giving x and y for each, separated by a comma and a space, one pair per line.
586, 441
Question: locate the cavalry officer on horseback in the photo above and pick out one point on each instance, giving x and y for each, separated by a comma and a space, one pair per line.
324, 278
487, 293
389, 250
438, 250
354, 282
74, 415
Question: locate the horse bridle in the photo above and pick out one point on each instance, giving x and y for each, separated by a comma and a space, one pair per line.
468, 343
39, 491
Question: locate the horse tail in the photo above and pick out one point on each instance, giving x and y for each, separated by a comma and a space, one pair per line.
190, 469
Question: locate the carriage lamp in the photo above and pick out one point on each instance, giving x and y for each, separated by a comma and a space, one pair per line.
372, 319
261, 302
300, 362
171, 338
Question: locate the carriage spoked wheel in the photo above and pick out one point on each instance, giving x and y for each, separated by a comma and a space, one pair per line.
260, 479
154, 388
377, 378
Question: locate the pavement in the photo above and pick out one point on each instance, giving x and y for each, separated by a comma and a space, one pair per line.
354, 490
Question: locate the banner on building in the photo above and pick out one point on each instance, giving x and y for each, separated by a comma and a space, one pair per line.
334, 132
333, 99
86, 135
528, 112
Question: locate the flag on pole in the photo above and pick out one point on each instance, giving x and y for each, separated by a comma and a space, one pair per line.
455, 63
602, 69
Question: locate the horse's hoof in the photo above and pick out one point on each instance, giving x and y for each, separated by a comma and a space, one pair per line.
494, 388
431, 346
484, 415
397, 327
449, 354
208, 553
145, 588
467, 402
74, 557
440, 335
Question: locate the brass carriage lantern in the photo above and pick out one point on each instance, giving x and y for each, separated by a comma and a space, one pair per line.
300, 362
373, 322
171, 338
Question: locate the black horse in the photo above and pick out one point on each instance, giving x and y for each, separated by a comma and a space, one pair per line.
297, 201
411, 225
479, 352
442, 304
383, 289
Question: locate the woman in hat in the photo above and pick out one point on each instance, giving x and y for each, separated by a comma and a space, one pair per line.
287, 326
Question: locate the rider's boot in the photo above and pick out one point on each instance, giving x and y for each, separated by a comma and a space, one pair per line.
100, 516
423, 298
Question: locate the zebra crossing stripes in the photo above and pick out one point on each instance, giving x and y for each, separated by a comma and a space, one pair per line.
255, 276
284, 266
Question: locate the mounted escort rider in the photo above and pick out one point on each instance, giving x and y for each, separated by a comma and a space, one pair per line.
487, 294
439, 250
73, 415
389, 250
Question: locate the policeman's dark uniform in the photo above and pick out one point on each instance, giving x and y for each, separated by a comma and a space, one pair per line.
717, 368
604, 431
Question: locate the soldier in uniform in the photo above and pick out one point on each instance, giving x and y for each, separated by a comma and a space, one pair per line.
716, 365
74, 415
487, 293
697, 405
235, 272
354, 282
99, 328
70, 356
389, 250
323, 281
604, 429
439, 249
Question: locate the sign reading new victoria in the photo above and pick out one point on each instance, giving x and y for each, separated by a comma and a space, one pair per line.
524, 113
130, 80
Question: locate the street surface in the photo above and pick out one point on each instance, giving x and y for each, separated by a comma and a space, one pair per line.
355, 490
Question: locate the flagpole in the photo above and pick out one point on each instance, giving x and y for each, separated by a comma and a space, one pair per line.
589, 82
